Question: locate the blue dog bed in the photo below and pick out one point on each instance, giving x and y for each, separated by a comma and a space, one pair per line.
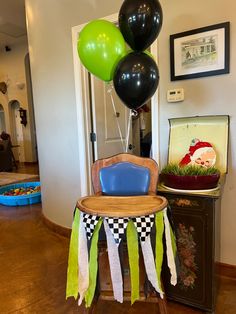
20, 200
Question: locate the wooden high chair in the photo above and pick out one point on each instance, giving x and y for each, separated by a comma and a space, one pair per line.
124, 186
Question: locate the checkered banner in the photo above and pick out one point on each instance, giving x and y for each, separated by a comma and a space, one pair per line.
117, 227
144, 225
90, 222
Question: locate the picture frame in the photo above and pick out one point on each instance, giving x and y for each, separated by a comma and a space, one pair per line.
200, 52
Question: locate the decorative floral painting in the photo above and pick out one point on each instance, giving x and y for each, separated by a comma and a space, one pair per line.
187, 254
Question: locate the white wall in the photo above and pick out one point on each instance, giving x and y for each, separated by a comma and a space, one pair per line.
50, 47
12, 70
203, 96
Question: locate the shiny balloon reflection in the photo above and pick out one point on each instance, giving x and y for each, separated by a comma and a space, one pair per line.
140, 22
136, 79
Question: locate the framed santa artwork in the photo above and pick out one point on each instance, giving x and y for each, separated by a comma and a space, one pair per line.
199, 140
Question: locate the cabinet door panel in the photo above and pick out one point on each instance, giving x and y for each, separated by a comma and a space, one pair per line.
190, 230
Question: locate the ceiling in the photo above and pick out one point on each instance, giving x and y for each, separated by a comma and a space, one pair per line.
12, 22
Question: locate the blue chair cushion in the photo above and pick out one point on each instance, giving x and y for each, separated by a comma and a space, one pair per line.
124, 178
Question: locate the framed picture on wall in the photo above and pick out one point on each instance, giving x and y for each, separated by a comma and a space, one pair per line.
200, 52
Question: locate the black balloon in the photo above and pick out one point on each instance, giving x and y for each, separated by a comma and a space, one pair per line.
140, 22
136, 79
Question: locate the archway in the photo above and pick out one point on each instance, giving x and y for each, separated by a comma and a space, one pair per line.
2, 119
16, 133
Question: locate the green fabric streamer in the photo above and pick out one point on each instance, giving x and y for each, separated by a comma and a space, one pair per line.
93, 265
159, 221
133, 252
173, 242
72, 270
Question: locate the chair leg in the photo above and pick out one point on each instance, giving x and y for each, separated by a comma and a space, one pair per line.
89, 310
85, 310
162, 306
92, 308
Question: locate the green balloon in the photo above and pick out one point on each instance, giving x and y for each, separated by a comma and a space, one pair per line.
100, 48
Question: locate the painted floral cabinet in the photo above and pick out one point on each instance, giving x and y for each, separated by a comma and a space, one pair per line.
196, 221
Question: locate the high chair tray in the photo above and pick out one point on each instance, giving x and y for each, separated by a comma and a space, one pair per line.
121, 206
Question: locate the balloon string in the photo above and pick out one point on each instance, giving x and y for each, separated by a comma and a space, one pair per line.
128, 131
117, 122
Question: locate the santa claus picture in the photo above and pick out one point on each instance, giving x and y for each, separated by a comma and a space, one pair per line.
200, 154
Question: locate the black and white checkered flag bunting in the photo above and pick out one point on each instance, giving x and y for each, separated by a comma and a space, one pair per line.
117, 227
144, 225
90, 222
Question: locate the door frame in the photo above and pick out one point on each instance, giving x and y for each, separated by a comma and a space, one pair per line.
84, 115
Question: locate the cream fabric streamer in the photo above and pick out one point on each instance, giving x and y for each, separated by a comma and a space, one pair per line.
149, 263
114, 261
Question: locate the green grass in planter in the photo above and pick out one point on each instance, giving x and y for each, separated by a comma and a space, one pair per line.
189, 170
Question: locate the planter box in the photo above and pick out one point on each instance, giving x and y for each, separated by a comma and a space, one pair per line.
190, 182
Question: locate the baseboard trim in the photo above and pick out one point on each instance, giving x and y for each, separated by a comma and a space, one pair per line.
65, 232
227, 270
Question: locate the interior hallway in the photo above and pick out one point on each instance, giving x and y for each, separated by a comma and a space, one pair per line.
33, 268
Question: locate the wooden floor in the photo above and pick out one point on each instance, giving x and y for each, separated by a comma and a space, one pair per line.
33, 264
29, 168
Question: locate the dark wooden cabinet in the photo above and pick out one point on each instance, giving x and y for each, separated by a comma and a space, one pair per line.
196, 219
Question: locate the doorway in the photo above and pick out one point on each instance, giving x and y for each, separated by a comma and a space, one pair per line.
113, 130
84, 119
142, 131
110, 120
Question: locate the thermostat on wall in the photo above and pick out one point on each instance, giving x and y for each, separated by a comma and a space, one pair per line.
175, 95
